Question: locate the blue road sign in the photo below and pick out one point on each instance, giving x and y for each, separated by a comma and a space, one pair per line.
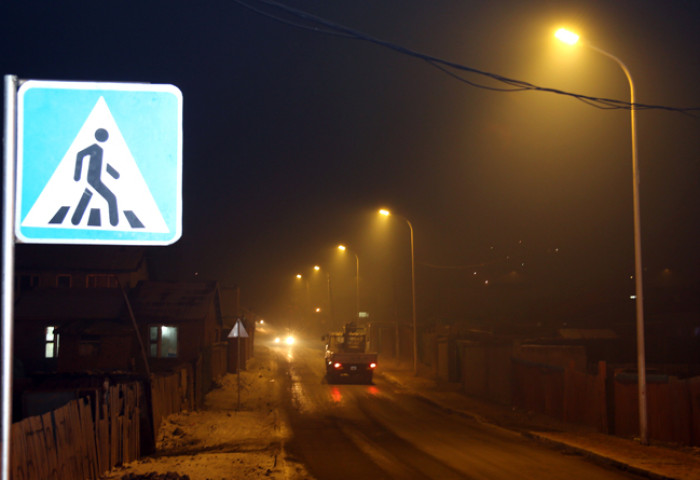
99, 163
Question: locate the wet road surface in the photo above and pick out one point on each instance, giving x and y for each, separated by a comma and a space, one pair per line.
382, 431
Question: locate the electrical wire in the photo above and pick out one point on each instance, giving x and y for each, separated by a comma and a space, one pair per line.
314, 23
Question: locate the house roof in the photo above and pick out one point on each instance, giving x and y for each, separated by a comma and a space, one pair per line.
71, 303
175, 300
587, 333
103, 258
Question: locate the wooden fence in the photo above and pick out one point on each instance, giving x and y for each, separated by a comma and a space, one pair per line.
87, 437
585, 398
673, 405
81, 440
673, 408
171, 393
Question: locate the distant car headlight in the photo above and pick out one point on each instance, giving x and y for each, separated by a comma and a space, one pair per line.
289, 340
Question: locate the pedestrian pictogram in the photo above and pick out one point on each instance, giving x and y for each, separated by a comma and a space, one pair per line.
112, 175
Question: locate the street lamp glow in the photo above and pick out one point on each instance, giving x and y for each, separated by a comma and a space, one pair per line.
317, 268
566, 36
341, 248
299, 276
384, 212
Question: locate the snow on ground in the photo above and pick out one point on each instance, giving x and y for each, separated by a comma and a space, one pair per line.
227, 439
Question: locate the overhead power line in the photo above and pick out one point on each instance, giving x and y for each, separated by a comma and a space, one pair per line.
304, 20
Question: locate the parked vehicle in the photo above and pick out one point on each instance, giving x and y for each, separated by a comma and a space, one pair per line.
347, 355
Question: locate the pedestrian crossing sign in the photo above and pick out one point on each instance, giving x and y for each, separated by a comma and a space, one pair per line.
99, 163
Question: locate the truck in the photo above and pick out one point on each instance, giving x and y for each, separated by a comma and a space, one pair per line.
347, 356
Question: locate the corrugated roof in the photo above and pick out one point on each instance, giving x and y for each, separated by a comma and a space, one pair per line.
173, 300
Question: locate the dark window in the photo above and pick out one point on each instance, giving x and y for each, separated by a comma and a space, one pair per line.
27, 282
89, 346
101, 281
63, 281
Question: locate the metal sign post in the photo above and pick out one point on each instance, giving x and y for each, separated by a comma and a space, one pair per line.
238, 332
8, 266
117, 147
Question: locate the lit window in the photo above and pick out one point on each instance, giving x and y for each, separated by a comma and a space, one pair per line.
163, 341
51, 343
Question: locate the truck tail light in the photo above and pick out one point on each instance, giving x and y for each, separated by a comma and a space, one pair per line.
372, 365
337, 365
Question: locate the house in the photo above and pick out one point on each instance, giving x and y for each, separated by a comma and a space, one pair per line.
91, 312
71, 288
69, 330
178, 320
185, 324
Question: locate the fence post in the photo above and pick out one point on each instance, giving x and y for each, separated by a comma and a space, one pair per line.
602, 397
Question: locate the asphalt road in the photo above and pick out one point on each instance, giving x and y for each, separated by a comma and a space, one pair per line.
382, 431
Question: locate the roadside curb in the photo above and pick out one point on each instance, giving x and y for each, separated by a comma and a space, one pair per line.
620, 465
553, 443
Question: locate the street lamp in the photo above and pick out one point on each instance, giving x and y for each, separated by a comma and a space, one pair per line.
387, 213
571, 39
317, 269
342, 248
302, 298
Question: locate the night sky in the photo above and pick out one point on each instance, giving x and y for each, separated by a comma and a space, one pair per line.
293, 138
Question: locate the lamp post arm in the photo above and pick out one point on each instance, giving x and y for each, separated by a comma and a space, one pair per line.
413, 302
620, 63
357, 289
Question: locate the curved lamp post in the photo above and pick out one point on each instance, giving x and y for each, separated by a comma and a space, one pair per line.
571, 39
343, 248
387, 213
317, 269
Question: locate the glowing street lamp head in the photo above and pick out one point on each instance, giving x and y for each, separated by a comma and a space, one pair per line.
384, 212
299, 276
341, 248
317, 268
566, 36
